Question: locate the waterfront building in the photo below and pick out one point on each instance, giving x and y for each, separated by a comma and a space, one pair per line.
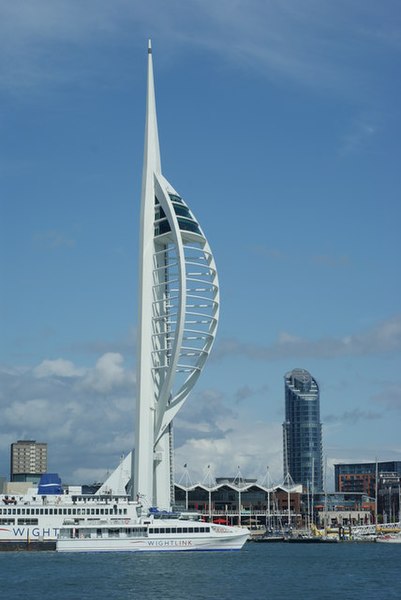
361, 477
232, 501
178, 315
338, 509
28, 460
302, 430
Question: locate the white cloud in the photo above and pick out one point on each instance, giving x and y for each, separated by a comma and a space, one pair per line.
32, 413
54, 239
86, 415
359, 136
384, 338
251, 445
109, 373
57, 368
302, 40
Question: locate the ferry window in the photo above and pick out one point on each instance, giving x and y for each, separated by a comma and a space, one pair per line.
168, 530
179, 529
196, 530
41, 511
69, 511
78, 511
185, 530
92, 511
74, 511
114, 532
97, 511
102, 511
50, 511
27, 521
125, 511
46, 511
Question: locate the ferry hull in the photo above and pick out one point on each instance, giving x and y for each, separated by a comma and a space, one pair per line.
150, 545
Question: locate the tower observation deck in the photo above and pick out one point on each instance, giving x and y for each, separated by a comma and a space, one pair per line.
178, 315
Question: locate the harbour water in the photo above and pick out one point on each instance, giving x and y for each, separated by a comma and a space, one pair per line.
286, 571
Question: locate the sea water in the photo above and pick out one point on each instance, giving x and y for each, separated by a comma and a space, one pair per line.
284, 571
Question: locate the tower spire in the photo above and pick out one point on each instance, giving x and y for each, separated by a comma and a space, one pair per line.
152, 149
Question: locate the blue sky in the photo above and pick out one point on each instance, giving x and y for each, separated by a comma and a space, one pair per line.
279, 124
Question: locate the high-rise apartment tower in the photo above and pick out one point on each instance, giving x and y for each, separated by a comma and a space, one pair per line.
302, 430
28, 460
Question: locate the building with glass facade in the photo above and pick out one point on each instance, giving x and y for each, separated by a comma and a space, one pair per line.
302, 430
361, 477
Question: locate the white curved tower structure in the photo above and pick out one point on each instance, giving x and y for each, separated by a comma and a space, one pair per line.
178, 315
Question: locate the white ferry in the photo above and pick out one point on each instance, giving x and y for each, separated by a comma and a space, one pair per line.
30, 518
38, 515
149, 534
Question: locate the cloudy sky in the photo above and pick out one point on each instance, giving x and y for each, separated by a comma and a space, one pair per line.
280, 125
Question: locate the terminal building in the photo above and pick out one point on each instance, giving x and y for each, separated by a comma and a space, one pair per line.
243, 502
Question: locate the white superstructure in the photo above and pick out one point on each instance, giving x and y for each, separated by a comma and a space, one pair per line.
34, 517
178, 315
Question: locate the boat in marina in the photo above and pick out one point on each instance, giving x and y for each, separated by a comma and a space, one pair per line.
149, 534
389, 538
33, 519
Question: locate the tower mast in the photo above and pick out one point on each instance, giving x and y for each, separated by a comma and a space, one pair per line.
178, 314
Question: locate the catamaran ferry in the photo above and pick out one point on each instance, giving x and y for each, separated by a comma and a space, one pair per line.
149, 534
